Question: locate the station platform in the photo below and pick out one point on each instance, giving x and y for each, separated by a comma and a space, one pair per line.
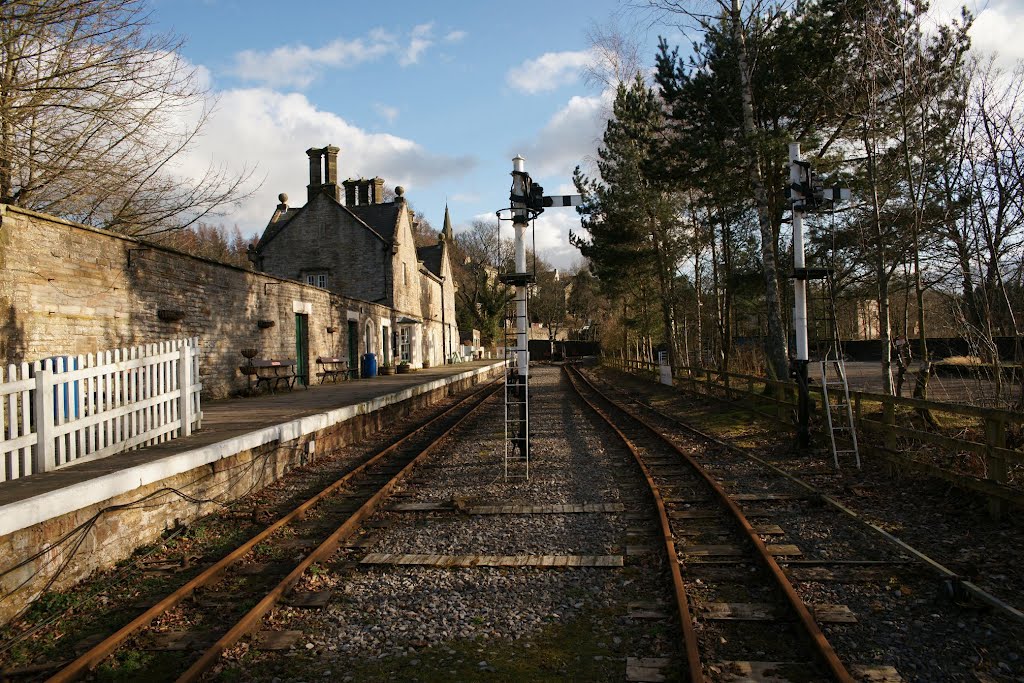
229, 427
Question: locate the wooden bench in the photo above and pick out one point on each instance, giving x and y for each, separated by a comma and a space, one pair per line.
332, 368
271, 372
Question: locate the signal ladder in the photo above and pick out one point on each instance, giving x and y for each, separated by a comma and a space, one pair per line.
517, 403
827, 349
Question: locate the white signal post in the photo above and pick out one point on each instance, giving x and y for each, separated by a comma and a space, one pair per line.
520, 221
799, 284
800, 363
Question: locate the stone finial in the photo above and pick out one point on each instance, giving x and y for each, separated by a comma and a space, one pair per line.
399, 193
283, 199
440, 237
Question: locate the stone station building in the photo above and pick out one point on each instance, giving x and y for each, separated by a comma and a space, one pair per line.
363, 248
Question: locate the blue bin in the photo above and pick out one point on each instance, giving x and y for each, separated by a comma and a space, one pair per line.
369, 366
66, 392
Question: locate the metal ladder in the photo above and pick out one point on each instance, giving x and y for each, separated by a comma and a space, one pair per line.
838, 413
834, 387
517, 403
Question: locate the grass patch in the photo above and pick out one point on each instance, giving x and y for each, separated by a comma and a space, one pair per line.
570, 650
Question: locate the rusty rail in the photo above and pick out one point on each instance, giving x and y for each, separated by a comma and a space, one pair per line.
696, 672
90, 659
969, 587
822, 647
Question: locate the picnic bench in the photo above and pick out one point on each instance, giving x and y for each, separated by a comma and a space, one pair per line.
332, 368
271, 372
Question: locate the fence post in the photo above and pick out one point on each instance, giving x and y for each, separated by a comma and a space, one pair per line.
197, 415
995, 464
185, 389
43, 405
889, 418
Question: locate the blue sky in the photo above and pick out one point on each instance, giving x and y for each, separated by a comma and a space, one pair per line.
435, 96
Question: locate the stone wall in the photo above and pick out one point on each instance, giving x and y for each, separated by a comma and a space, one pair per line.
67, 289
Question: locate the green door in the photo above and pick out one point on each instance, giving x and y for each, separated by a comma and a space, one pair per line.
302, 348
353, 348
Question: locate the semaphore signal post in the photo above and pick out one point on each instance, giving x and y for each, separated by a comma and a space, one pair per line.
526, 202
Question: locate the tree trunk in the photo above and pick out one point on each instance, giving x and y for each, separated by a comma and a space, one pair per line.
881, 273
775, 341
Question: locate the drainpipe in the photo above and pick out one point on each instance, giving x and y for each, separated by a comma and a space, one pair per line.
444, 329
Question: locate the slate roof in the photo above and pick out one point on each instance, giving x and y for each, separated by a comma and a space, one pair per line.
431, 257
382, 218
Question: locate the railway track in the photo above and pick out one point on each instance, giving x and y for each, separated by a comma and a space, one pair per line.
726, 569
957, 585
229, 599
462, 572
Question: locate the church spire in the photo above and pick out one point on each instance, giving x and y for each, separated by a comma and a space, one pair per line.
447, 230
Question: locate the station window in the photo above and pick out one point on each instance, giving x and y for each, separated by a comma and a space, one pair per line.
317, 280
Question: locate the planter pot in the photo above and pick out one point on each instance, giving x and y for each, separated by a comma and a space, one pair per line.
404, 369
387, 371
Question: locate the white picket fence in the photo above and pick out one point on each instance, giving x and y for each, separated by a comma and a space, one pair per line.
69, 409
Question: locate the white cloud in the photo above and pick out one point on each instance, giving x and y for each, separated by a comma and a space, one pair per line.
276, 131
419, 41
454, 36
297, 66
549, 71
571, 136
389, 114
467, 197
552, 237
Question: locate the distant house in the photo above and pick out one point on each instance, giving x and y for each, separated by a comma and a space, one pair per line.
360, 246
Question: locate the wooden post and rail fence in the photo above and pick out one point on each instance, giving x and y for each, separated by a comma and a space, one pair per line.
974, 435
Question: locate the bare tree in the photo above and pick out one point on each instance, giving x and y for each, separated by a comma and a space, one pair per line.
95, 111
616, 55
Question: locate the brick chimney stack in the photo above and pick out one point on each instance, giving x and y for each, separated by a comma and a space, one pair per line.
364, 191
315, 172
